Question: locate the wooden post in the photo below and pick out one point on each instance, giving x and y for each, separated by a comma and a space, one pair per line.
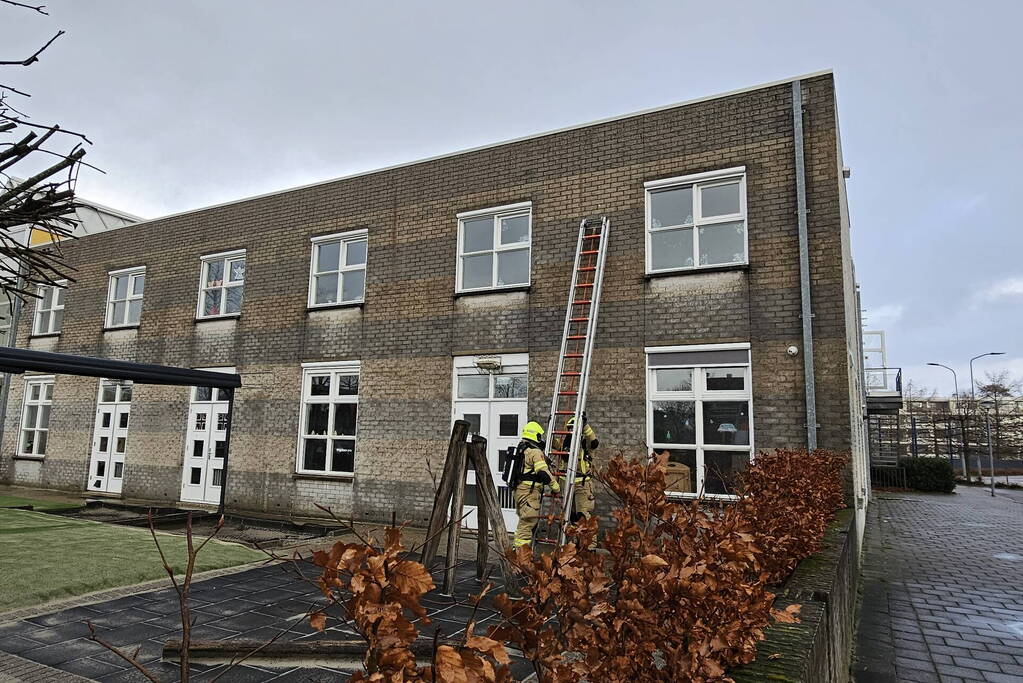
482, 522
486, 493
455, 525
438, 517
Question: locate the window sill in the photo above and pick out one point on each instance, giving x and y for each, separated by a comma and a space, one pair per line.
694, 271
493, 290
44, 336
334, 307
36, 458
214, 318
323, 477
116, 328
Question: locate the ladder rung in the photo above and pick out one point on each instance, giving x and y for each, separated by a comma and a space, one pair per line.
589, 251
568, 393
577, 336
578, 320
573, 355
581, 302
559, 452
572, 374
587, 269
558, 431
585, 284
591, 237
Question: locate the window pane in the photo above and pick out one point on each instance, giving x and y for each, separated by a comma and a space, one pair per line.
48, 391
198, 448
474, 420
120, 445
118, 470
315, 456
211, 302
58, 320
344, 419
316, 422
134, 311
515, 229
671, 207
477, 271
671, 249
353, 285
44, 417
723, 469
101, 468
104, 444
118, 316
474, 386
319, 385
41, 443
43, 325
59, 296
203, 394
126, 392
680, 471
344, 455
237, 270
725, 243
508, 425
726, 379
680, 379
121, 287
674, 421
510, 386
726, 422
355, 253
34, 391
719, 200
109, 393
220, 449
196, 476
123, 421
326, 289
478, 234
139, 284
214, 273
28, 440
234, 300
31, 413
105, 420
328, 256
348, 385
47, 301
513, 267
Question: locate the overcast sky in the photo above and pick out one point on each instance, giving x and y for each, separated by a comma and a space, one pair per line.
193, 103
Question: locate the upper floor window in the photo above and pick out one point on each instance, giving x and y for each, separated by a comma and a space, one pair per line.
222, 284
330, 408
5, 320
124, 297
338, 269
493, 248
696, 221
50, 308
699, 411
35, 418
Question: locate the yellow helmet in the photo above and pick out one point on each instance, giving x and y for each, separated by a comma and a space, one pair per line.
571, 422
532, 432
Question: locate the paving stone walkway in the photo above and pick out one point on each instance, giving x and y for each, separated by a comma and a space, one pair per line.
942, 589
256, 603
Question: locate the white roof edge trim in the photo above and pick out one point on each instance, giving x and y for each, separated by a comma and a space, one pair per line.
469, 150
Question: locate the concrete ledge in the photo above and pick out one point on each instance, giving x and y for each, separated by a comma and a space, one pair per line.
819, 647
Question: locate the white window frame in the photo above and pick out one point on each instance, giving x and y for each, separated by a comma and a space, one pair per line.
42, 381
227, 257
697, 181
511, 364
334, 369
698, 395
132, 274
58, 286
497, 213
344, 239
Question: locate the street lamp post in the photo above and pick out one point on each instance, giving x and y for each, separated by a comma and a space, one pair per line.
973, 391
987, 404
962, 427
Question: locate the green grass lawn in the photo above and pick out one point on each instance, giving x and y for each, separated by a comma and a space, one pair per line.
17, 501
44, 557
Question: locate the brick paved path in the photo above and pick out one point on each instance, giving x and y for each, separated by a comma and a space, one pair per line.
942, 589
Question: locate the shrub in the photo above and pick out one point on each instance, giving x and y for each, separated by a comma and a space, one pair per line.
929, 474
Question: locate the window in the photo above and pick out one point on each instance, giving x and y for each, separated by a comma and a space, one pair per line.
222, 284
330, 407
699, 410
50, 308
5, 320
35, 419
493, 248
696, 221
338, 269
124, 297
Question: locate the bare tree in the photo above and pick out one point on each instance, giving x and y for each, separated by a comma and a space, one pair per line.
39, 165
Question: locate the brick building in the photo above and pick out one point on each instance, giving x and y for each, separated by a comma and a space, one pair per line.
356, 310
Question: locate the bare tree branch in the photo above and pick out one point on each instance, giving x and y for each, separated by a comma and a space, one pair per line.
36, 8
34, 57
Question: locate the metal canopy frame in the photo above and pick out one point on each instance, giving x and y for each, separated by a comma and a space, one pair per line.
18, 361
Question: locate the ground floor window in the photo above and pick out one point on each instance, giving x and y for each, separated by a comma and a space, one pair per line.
330, 406
35, 418
699, 411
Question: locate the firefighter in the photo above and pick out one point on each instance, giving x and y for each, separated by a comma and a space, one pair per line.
535, 475
582, 497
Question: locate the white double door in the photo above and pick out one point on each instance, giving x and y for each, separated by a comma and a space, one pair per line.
205, 446
110, 437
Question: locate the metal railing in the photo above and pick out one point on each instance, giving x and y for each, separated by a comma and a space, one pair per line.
883, 382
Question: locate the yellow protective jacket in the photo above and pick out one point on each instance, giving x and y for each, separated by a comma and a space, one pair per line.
589, 445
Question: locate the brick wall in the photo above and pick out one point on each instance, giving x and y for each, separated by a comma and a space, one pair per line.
412, 323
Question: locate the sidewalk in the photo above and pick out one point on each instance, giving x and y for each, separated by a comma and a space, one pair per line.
942, 588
